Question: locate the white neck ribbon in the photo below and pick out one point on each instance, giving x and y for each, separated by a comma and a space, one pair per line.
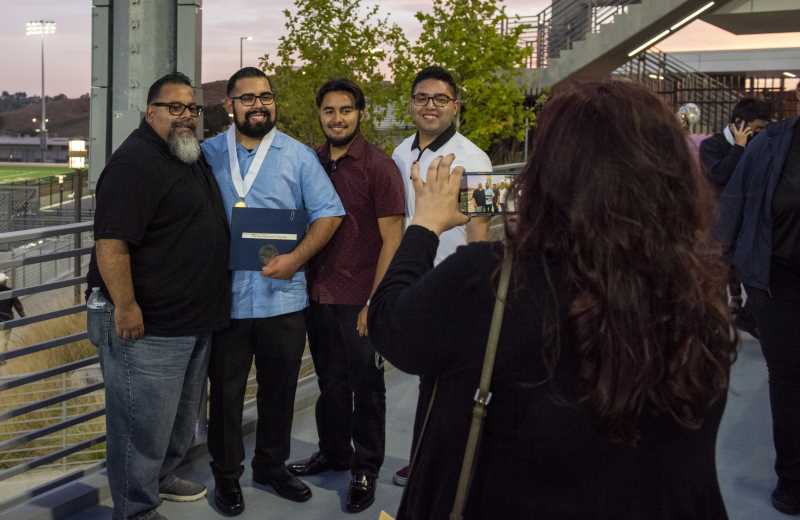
243, 186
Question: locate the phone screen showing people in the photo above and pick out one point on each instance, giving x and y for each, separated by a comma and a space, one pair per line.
486, 193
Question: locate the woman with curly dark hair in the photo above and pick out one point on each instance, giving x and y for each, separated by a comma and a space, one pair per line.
614, 354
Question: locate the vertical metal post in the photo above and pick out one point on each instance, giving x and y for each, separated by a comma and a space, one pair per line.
527, 137
76, 238
42, 125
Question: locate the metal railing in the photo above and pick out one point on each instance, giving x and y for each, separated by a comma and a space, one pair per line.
51, 406
678, 84
45, 202
564, 22
52, 403
561, 24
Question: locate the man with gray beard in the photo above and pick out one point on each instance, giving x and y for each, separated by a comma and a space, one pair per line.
160, 288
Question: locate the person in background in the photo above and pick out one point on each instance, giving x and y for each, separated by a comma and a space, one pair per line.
720, 155
760, 225
434, 107
502, 197
7, 308
491, 202
479, 196
722, 151
614, 356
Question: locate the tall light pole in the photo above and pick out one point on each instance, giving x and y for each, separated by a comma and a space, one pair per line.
41, 28
242, 39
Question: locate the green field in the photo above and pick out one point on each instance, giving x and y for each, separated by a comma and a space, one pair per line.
13, 173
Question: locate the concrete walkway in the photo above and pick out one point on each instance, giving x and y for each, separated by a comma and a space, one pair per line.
745, 457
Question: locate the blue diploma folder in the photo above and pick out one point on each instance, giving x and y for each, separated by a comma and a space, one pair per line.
259, 233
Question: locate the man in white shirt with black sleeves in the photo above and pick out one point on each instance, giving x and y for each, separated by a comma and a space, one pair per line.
434, 107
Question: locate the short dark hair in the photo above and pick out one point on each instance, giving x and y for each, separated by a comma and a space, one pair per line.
750, 108
342, 85
173, 78
246, 72
435, 72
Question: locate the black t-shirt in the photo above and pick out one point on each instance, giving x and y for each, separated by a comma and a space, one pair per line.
786, 210
170, 214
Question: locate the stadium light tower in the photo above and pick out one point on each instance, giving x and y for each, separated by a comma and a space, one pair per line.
243, 39
41, 28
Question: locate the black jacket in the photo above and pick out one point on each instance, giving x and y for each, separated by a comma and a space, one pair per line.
720, 158
539, 457
745, 209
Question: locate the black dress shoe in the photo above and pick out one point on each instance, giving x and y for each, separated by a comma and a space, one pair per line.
361, 494
786, 497
284, 483
228, 496
314, 465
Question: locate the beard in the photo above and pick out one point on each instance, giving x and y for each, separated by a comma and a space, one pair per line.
258, 130
184, 145
344, 140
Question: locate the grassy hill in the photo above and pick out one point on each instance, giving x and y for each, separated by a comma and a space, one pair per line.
70, 117
67, 118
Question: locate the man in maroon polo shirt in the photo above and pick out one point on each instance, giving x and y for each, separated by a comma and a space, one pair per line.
351, 409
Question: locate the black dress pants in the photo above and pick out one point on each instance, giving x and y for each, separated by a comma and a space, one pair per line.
352, 401
778, 321
277, 344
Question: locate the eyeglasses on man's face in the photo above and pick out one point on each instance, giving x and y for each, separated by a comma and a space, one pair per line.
248, 100
177, 109
439, 100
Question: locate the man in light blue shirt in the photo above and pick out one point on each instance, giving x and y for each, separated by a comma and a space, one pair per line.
268, 170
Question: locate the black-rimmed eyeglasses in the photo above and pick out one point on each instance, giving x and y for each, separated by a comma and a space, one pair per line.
248, 100
439, 100
177, 109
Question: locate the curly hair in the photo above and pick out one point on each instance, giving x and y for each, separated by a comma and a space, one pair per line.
613, 194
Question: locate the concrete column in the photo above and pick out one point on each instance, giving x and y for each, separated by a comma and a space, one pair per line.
134, 42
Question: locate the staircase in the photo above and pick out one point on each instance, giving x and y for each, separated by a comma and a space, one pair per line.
591, 38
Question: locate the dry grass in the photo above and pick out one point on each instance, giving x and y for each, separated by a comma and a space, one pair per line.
10, 399
13, 398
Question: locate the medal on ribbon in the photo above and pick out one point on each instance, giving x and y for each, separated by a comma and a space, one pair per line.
242, 186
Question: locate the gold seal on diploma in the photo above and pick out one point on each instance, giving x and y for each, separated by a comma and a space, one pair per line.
240, 204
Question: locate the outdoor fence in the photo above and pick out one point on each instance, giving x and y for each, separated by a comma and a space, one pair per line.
49, 201
52, 426
678, 84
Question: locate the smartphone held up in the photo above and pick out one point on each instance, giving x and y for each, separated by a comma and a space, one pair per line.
486, 194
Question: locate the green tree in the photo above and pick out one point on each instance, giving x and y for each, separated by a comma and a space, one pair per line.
463, 36
326, 39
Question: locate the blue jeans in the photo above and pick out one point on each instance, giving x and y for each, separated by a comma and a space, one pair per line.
153, 391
